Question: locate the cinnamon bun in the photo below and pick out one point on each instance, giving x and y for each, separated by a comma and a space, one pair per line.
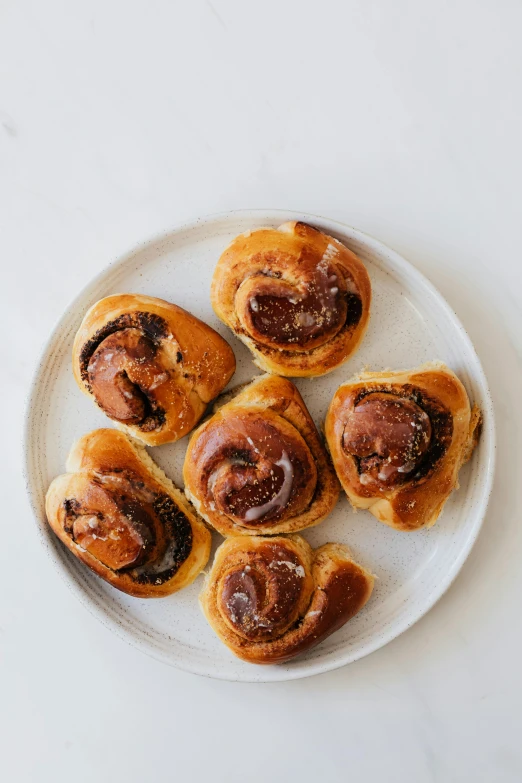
399, 439
118, 513
271, 599
258, 466
149, 365
299, 299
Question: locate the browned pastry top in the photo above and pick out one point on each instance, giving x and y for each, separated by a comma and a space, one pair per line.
389, 435
261, 597
297, 297
121, 516
306, 312
398, 440
127, 526
396, 433
123, 372
258, 465
270, 599
150, 365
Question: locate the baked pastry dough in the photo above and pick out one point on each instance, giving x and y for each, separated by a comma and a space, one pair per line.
299, 299
149, 365
258, 466
398, 440
271, 599
120, 515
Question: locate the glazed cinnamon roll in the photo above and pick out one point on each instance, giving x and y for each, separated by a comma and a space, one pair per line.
271, 599
258, 466
299, 299
399, 439
121, 516
149, 365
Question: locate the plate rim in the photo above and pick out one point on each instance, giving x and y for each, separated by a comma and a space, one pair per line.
317, 666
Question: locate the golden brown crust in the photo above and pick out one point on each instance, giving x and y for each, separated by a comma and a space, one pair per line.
137, 530
299, 299
415, 498
271, 599
258, 466
151, 366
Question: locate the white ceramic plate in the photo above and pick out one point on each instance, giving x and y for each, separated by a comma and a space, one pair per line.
410, 324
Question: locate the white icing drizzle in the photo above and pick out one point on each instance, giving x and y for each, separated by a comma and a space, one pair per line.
251, 443
260, 622
330, 253
114, 535
159, 380
254, 306
211, 483
385, 472
239, 597
365, 478
163, 563
90, 536
305, 319
351, 288
213, 478
299, 570
232, 603
281, 499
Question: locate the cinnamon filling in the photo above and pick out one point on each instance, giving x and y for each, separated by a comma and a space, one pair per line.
287, 320
259, 499
389, 435
118, 365
303, 311
119, 541
123, 372
256, 474
153, 326
260, 598
129, 528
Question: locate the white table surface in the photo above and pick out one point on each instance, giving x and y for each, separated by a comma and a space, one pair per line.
119, 119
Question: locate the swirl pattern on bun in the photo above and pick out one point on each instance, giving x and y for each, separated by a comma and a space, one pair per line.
399, 439
149, 365
299, 299
271, 599
118, 513
258, 466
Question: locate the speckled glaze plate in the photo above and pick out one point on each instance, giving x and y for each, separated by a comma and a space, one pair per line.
410, 324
